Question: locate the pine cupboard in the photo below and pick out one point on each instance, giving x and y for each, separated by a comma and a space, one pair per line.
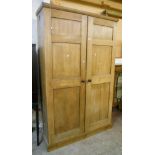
77, 72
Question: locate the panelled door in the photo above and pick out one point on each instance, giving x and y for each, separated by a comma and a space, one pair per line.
67, 69
100, 72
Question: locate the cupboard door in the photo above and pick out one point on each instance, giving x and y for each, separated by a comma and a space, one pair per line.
100, 73
66, 68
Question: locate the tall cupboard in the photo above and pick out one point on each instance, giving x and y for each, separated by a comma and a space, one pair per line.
77, 52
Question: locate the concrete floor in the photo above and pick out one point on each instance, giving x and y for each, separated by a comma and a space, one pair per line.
108, 142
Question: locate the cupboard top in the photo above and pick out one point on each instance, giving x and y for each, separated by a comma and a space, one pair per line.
52, 6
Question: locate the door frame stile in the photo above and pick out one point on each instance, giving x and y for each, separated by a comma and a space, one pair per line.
88, 71
112, 73
83, 70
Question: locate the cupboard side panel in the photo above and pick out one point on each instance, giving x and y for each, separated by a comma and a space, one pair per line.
41, 52
44, 47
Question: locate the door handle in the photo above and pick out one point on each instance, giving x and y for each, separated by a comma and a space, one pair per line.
83, 81
89, 80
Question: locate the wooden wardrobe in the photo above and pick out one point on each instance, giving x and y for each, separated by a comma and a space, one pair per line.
77, 72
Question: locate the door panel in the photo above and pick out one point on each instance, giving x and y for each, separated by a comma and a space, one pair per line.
67, 68
101, 60
66, 60
102, 32
100, 73
66, 107
99, 102
64, 30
